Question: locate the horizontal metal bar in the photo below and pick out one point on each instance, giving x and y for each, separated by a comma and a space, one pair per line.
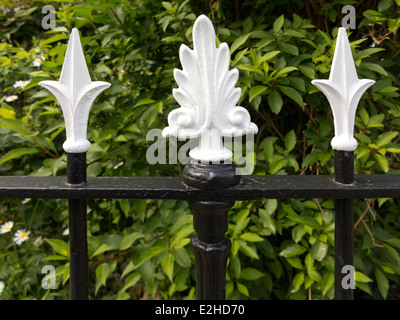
250, 188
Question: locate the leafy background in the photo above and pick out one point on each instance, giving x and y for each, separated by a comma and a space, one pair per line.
139, 249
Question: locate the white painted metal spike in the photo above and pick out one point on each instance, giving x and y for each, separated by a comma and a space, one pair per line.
343, 91
75, 92
207, 96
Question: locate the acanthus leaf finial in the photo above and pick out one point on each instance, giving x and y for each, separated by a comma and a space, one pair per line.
343, 91
207, 96
75, 92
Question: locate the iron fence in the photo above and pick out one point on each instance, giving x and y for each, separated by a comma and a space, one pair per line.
209, 185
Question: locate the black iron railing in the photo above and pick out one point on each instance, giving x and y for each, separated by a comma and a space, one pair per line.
210, 206
210, 188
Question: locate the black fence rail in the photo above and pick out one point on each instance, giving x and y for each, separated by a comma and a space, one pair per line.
249, 188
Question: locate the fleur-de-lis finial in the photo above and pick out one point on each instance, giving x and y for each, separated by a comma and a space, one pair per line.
75, 92
343, 91
207, 96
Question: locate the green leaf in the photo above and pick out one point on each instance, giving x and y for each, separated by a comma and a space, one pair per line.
242, 289
298, 280
128, 240
362, 151
308, 72
267, 56
7, 114
376, 121
150, 253
167, 5
382, 161
112, 240
54, 38
103, 248
144, 102
180, 243
16, 153
278, 23
183, 231
293, 94
132, 279
55, 257
290, 140
240, 225
251, 274
298, 232
267, 220
319, 250
238, 43
251, 237
328, 281
289, 48
384, 4
394, 242
294, 33
285, 71
248, 67
385, 138
235, 263
181, 257
167, 263
255, 91
392, 252
295, 262
383, 283
247, 25
128, 269
59, 246
271, 205
248, 250
368, 52
64, 271
360, 277
275, 101
326, 37
103, 271
292, 250
375, 67
269, 148
313, 274
277, 165
125, 206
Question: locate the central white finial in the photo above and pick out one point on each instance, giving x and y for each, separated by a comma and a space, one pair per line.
75, 93
343, 91
207, 96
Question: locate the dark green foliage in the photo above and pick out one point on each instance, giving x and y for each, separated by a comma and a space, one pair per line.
140, 248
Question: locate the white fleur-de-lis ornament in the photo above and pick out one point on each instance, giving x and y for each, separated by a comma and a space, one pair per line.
75, 92
343, 91
207, 96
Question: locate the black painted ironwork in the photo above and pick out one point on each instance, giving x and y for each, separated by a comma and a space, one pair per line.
249, 188
344, 224
210, 221
77, 214
211, 190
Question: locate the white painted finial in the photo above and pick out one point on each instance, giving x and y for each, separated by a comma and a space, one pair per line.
207, 96
75, 92
343, 91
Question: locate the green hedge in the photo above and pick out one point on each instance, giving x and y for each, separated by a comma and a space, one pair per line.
139, 249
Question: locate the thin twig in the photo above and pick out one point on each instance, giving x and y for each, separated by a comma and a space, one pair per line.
362, 216
372, 237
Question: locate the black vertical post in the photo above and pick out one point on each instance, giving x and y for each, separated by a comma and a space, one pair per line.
76, 174
210, 221
344, 224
